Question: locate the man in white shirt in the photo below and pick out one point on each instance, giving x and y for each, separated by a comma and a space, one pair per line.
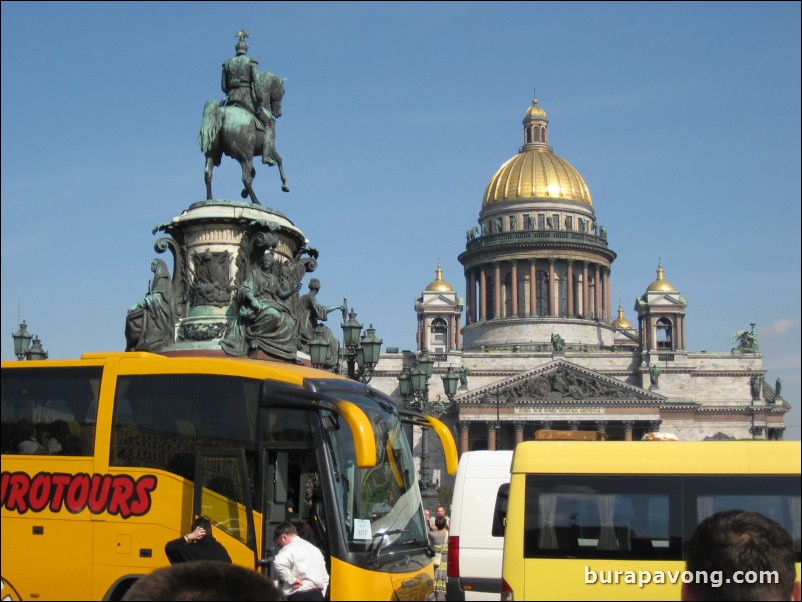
299, 565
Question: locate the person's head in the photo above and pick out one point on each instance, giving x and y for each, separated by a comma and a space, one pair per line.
441, 511
736, 540
314, 284
241, 47
285, 532
203, 580
440, 522
426, 514
204, 523
25, 429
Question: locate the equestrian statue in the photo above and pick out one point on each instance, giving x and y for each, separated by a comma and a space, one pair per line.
243, 124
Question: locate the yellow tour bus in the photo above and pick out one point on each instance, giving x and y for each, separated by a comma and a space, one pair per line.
107, 458
609, 520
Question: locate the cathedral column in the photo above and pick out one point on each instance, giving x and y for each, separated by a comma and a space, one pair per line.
491, 436
601, 428
532, 287
597, 291
585, 290
570, 283
457, 333
514, 278
482, 295
551, 288
469, 281
628, 424
607, 307
473, 311
497, 289
518, 426
464, 427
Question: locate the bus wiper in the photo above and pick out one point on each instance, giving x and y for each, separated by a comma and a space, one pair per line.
380, 545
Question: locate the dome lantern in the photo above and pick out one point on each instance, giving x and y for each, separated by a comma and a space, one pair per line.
536, 127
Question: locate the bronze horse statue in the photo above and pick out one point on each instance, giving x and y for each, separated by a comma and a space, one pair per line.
236, 132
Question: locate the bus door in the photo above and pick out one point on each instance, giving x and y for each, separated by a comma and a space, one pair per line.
223, 494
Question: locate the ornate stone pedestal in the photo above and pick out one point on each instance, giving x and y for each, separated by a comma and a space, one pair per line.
215, 244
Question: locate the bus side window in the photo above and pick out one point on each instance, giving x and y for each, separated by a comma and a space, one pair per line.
60, 403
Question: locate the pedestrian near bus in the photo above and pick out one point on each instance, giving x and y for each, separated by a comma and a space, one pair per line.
198, 544
438, 539
736, 541
299, 565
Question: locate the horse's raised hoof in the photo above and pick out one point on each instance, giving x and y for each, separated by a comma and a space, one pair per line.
285, 188
244, 193
267, 161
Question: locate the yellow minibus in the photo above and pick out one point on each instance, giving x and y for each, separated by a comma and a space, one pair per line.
609, 520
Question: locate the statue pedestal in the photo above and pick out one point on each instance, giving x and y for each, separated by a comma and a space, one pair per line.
214, 244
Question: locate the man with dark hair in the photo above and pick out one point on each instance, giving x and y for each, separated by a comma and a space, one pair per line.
739, 555
198, 544
203, 580
299, 565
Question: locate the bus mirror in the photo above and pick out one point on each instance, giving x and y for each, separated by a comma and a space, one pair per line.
362, 433
446, 440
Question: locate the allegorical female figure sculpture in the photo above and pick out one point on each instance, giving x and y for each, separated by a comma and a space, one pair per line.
150, 323
264, 320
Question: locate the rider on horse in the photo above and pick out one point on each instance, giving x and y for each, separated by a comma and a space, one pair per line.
238, 81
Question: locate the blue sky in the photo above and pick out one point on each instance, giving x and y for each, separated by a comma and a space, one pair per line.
683, 118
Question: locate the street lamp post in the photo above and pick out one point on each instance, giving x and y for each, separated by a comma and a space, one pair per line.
414, 388
24, 348
361, 351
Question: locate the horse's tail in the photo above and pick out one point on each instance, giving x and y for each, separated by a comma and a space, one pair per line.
210, 126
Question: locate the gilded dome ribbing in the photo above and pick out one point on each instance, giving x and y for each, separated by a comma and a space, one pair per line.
536, 172
438, 284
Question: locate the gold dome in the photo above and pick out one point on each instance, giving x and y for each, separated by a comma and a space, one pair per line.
438, 284
660, 284
621, 323
536, 172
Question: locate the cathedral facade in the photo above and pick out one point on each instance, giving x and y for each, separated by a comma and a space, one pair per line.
539, 345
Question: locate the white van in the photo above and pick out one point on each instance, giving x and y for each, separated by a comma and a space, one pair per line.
476, 536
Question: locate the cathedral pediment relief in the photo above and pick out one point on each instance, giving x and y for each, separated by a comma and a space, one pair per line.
556, 382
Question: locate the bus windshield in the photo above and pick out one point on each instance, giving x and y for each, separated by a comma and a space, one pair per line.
379, 507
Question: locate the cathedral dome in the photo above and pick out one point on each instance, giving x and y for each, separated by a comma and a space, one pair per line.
621, 323
438, 284
536, 172
660, 285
